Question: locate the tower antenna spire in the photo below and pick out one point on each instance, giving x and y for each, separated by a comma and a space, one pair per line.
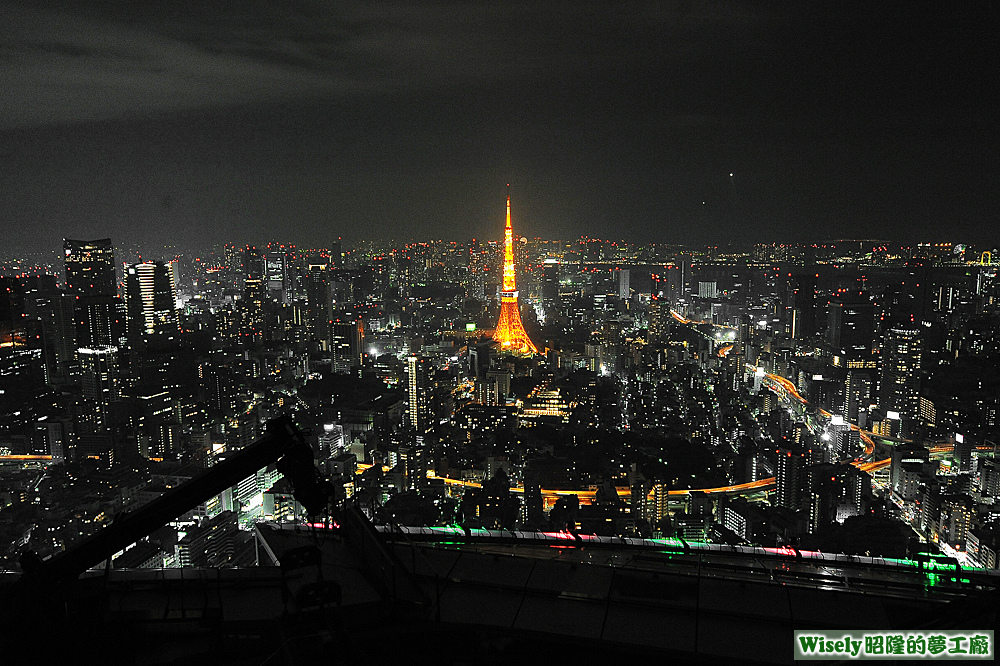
510, 331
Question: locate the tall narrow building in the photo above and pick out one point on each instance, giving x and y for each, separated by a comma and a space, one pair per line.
151, 300
318, 299
899, 390
419, 379
91, 279
99, 378
510, 331
254, 294
276, 274
347, 338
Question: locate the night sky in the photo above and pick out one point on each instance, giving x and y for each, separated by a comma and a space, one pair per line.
196, 122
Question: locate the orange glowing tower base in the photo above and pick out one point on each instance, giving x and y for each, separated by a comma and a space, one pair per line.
510, 331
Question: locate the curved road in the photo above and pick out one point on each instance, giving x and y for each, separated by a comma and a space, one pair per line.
761, 485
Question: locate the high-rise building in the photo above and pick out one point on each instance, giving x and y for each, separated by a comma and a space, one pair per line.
624, 287
100, 321
318, 298
254, 294
908, 463
899, 390
510, 331
857, 396
99, 379
56, 311
22, 355
708, 289
789, 472
419, 385
234, 266
494, 388
253, 310
850, 328
347, 340
331, 440
337, 254
221, 386
276, 273
90, 276
151, 302
90, 267
659, 316
801, 301
253, 263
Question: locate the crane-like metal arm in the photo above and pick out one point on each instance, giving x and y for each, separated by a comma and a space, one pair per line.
281, 442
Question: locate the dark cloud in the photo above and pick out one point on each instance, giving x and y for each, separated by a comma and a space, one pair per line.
95, 60
305, 120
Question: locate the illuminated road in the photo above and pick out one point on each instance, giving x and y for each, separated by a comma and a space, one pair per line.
762, 485
682, 319
872, 466
789, 387
17, 458
679, 317
587, 496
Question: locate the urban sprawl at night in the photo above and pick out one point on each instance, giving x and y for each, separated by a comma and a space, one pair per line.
498, 333
836, 399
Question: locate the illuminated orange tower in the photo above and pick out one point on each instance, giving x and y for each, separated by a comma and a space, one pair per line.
510, 331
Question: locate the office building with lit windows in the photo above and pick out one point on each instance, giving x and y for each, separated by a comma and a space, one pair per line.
99, 380
899, 390
90, 267
419, 379
151, 302
347, 338
276, 275
91, 278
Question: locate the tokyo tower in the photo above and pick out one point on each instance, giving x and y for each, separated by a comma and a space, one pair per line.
510, 331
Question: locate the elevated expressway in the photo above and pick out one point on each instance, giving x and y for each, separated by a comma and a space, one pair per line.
785, 390
780, 385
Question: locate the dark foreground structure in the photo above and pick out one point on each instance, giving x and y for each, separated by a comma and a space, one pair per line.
353, 594
346, 591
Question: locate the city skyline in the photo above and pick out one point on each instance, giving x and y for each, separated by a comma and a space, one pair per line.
274, 382
828, 415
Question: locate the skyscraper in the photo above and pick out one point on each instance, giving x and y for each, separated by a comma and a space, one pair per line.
899, 390
90, 276
276, 272
56, 310
850, 328
789, 472
347, 337
801, 300
624, 288
99, 379
857, 396
254, 294
151, 301
318, 298
419, 375
22, 356
90, 267
234, 265
510, 331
